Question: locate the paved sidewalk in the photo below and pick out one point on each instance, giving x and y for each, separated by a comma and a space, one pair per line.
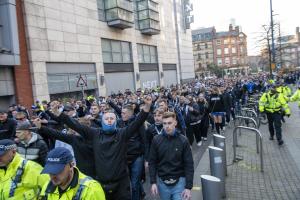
281, 177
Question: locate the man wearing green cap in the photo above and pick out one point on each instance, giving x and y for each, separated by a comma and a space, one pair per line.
20, 179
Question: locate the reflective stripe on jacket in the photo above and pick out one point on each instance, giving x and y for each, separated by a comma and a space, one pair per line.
273, 103
25, 186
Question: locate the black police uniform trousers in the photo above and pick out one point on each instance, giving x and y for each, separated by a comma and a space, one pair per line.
274, 121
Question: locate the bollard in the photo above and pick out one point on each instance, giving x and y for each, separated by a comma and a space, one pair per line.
217, 166
219, 141
210, 187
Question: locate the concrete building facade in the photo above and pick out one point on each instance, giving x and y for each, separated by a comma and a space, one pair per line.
288, 50
108, 45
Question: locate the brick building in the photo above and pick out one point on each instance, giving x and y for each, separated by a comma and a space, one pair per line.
229, 49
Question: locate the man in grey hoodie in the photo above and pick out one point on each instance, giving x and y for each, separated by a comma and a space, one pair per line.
31, 146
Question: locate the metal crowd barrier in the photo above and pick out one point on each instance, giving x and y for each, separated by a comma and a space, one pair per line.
252, 113
258, 135
255, 126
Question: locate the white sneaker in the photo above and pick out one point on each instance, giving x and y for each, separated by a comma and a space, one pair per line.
199, 144
205, 139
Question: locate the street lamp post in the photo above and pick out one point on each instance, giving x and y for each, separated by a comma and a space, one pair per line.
272, 37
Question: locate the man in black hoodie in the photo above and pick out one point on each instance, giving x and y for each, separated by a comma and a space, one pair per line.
172, 161
135, 150
109, 146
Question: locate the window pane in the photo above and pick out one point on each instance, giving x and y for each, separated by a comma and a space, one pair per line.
116, 46
107, 57
153, 59
153, 51
117, 58
106, 45
126, 58
147, 58
146, 49
125, 47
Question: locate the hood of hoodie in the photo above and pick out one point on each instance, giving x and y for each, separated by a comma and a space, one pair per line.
33, 139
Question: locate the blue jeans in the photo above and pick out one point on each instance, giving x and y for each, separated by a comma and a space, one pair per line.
136, 169
171, 192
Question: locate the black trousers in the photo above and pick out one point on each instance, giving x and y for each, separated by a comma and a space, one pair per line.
193, 131
118, 190
274, 121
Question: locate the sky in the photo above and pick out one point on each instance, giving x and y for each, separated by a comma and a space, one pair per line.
251, 15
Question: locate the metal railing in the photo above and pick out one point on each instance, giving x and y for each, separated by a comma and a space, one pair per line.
259, 150
250, 112
255, 126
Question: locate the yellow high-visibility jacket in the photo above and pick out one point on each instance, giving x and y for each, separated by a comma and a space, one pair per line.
284, 92
287, 91
84, 189
296, 97
25, 186
273, 103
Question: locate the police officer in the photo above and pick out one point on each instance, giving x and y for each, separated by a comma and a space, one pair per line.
67, 182
20, 179
273, 103
296, 96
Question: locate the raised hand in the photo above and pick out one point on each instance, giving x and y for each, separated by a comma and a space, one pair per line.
37, 122
54, 108
148, 103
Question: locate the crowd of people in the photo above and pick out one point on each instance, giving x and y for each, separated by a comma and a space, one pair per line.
104, 147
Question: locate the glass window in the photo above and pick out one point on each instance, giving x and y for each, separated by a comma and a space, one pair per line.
106, 45
227, 61
233, 50
226, 50
225, 41
117, 58
125, 47
101, 11
147, 54
219, 51
107, 57
220, 61
116, 46
234, 61
218, 42
114, 51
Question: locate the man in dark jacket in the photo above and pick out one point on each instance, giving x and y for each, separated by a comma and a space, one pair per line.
31, 146
109, 146
135, 150
190, 111
172, 161
7, 126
